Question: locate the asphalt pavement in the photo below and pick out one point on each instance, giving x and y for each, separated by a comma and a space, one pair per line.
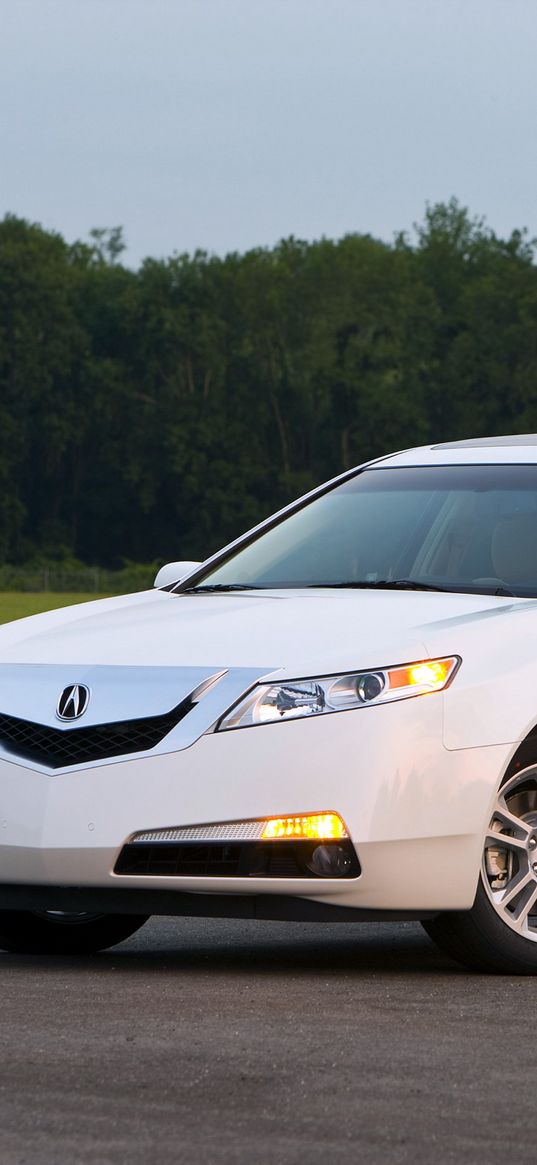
252, 1042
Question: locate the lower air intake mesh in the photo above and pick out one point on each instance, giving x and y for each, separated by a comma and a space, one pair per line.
57, 748
269, 859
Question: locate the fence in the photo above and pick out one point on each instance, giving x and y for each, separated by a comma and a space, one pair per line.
78, 579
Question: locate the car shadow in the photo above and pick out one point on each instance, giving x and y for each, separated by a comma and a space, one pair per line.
212, 947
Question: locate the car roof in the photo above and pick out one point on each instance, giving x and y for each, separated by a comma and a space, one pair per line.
515, 449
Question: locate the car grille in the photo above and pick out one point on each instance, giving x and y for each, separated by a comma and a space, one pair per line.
57, 748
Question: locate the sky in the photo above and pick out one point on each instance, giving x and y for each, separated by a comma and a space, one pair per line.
229, 124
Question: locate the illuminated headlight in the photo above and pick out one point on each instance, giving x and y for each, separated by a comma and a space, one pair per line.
271, 703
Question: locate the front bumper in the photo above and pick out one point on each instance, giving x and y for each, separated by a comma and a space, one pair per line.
415, 811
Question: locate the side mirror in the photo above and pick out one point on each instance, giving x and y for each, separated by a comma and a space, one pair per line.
174, 572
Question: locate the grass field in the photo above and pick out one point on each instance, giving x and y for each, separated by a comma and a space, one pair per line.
15, 605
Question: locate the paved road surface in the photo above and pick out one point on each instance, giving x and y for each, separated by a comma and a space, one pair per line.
249, 1042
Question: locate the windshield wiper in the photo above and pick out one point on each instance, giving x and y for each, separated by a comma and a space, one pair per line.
384, 584
380, 584
211, 588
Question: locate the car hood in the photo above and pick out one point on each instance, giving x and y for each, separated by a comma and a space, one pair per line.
295, 632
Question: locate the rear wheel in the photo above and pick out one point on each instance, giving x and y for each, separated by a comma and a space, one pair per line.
499, 933
56, 932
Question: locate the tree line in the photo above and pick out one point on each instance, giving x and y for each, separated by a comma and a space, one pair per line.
156, 413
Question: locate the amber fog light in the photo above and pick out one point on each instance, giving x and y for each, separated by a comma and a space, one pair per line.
330, 861
313, 825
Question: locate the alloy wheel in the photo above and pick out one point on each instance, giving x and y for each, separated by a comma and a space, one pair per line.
510, 855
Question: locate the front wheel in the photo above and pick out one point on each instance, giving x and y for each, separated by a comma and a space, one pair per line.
499, 933
56, 932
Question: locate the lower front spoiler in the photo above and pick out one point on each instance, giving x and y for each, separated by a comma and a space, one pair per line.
274, 907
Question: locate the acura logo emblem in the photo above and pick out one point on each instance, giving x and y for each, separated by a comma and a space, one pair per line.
73, 702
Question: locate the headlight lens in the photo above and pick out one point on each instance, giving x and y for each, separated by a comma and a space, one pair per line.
271, 703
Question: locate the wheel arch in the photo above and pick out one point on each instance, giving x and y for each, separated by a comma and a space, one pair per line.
525, 754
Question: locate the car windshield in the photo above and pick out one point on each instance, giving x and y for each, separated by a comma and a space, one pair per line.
458, 528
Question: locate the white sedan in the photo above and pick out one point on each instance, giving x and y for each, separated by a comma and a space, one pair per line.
334, 718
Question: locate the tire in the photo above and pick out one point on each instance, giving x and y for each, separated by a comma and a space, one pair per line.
59, 933
499, 934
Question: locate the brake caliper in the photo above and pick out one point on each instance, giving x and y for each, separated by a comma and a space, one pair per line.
497, 863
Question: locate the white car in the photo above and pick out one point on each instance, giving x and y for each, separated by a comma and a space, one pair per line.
335, 718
